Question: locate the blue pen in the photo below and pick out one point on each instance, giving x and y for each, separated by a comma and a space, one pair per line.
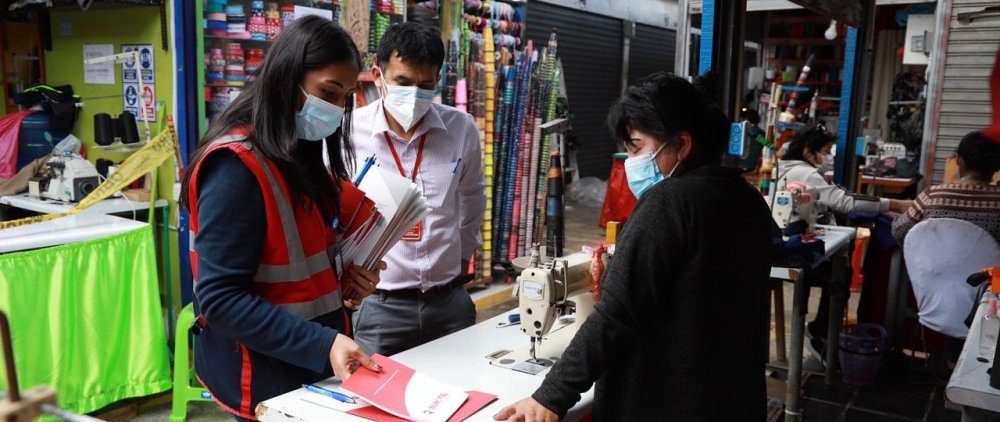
368, 164
459, 162
343, 398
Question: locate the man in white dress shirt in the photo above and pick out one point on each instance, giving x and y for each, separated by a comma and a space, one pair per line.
421, 296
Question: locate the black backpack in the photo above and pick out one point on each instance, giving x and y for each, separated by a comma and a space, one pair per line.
59, 102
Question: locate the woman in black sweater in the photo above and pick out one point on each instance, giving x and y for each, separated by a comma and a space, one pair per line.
679, 330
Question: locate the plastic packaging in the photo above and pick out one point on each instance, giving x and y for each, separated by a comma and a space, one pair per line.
70, 145
588, 191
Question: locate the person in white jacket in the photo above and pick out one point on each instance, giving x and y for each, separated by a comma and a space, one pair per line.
800, 164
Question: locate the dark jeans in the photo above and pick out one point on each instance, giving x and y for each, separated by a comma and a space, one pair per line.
389, 325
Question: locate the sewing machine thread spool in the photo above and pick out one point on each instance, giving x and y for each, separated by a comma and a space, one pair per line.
554, 207
104, 133
129, 129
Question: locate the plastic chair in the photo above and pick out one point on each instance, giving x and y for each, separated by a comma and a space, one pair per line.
940, 253
184, 392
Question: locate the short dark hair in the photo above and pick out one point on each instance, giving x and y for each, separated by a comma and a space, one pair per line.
980, 154
813, 136
415, 43
663, 105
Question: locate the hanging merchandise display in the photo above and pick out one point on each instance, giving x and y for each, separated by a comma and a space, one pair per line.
510, 87
236, 35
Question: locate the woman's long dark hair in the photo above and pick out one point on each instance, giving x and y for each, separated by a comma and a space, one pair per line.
813, 136
268, 105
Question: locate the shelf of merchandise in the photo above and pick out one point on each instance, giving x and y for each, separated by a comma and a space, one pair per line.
206, 41
781, 24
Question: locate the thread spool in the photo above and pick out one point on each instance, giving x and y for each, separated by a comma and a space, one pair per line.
129, 128
116, 129
104, 133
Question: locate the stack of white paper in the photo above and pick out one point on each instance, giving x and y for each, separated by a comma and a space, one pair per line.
401, 205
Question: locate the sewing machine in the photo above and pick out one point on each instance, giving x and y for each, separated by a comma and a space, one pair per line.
65, 178
787, 202
543, 292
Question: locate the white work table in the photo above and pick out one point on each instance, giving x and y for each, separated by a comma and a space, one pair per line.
47, 206
969, 385
836, 240
74, 228
459, 359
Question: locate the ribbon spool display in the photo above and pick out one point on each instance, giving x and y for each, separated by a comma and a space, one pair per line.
510, 89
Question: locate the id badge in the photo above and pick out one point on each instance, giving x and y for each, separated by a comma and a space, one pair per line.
415, 234
338, 262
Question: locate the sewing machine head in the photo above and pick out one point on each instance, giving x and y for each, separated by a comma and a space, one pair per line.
544, 287
789, 201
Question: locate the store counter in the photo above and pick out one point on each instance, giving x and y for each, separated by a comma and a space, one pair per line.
969, 385
459, 359
74, 228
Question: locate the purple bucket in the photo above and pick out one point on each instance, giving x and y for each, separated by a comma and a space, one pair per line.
861, 350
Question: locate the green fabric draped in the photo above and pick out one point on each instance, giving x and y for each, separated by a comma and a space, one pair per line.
86, 320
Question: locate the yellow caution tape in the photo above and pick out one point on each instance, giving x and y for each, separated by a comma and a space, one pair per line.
145, 160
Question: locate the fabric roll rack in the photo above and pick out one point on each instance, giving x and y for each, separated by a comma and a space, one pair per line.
510, 86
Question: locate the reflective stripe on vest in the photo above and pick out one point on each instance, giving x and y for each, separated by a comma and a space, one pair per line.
299, 268
316, 307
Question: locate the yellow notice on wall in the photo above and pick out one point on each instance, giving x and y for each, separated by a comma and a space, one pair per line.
145, 160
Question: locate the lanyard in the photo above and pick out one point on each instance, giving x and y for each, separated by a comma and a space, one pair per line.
399, 164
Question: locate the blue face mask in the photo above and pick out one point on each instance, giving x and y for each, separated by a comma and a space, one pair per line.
642, 172
317, 119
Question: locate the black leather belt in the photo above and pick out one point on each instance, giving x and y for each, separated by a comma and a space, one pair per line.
417, 294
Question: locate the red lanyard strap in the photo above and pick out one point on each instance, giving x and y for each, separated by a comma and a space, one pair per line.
399, 164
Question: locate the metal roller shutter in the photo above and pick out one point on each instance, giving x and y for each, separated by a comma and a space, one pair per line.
965, 101
590, 47
652, 50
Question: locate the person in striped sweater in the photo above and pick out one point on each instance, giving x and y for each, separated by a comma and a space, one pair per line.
970, 198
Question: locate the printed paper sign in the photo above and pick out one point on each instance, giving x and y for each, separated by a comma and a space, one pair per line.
100, 73
146, 66
130, 98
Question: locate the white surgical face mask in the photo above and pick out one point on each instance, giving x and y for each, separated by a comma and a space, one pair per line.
317, 119
643, 172
406, 104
